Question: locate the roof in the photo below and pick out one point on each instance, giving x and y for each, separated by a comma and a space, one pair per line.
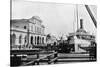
36, 17
24, 20
18, 20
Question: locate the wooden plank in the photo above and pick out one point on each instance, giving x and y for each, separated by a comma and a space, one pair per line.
33, 61
53, 60
33, 51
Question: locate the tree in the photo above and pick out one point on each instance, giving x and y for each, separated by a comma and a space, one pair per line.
48, 37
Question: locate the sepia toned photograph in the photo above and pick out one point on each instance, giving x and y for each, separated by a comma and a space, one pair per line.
45, 33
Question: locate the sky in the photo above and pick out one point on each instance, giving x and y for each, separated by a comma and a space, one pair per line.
57, 18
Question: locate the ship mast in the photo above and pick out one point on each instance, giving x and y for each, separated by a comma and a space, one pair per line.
75, 21
77, 15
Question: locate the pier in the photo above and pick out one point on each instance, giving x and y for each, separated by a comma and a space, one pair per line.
42, 57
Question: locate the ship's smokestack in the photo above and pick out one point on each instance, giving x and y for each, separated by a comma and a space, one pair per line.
81, 23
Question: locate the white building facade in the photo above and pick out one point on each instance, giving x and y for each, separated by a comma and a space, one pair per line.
27, 32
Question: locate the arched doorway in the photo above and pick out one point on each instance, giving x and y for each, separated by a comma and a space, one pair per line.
38, 40
31, 40
42, 40
13, 39
35, 40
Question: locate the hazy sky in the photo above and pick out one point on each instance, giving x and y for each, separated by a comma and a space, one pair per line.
57, 18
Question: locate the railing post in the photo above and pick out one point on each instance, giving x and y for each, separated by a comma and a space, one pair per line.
38, 62
55, 56
48, 59
33, 63
38, 58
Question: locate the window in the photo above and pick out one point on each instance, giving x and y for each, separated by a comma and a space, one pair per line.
35, 39
32, 28
31, 40
24, 27
40, 30
20, 39
25, 39
35, 30
13, 39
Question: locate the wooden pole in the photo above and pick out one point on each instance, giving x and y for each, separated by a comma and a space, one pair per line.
91, 15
